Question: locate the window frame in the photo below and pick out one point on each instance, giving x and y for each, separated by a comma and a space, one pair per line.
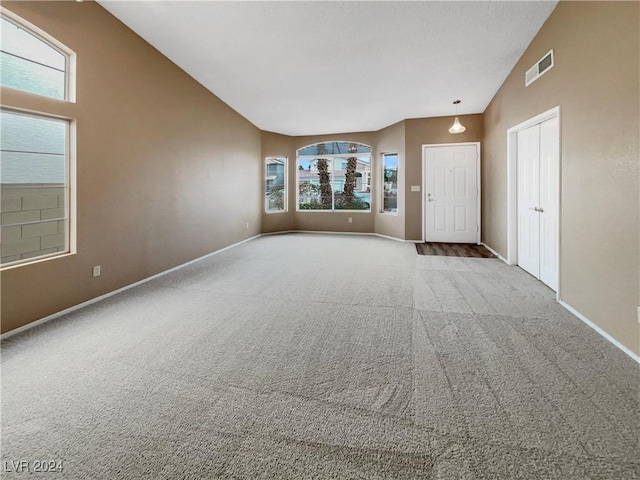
286, 184
333, 157
70, 56
21, 102
382, 181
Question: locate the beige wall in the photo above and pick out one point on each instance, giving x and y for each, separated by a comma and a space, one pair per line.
362, 222
596, 83
276, 145
390, 140
406, 138
166, 171
423, 131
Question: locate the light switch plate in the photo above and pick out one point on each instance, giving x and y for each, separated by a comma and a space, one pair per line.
415, 188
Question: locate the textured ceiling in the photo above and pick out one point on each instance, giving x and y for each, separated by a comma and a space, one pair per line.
303, 68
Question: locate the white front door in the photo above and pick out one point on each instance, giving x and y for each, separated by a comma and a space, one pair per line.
538, 191
451, 193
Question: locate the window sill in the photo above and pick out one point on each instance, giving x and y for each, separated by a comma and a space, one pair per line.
33, 261
333, 211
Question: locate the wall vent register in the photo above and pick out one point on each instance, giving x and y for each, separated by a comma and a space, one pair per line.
541, 67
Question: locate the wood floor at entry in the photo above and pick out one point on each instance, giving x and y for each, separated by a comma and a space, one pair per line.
440, 249
452, 193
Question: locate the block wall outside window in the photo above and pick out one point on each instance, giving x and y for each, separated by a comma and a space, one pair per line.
33, 220
33, 175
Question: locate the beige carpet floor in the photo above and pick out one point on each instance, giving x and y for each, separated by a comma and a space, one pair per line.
308, 356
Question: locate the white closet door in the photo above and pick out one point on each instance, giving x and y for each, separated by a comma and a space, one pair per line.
549, 201
538, 200
528, 195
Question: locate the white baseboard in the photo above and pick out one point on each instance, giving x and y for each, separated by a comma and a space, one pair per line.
278, 232
600, 331
494, 252
327, 232
392, 238
115, 292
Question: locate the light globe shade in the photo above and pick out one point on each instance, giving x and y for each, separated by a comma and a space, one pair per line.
457, 127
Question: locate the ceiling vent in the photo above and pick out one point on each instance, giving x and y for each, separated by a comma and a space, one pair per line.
544, 65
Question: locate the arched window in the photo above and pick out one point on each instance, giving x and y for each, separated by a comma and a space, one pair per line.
30, 63
334, 176
35, 163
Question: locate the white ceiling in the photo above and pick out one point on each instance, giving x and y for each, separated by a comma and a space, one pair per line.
305, 68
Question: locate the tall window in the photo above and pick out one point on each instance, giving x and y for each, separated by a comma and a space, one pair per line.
275, 186
390, 183
334, 176
35, 167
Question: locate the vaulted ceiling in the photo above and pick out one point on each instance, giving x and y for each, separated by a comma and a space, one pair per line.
303, 68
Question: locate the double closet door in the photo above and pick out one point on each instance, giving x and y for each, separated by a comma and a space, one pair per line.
538, 200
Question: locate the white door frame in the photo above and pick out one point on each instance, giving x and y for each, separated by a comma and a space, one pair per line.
512, 186
424, 183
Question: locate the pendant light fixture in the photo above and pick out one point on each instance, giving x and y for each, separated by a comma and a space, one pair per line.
457, 127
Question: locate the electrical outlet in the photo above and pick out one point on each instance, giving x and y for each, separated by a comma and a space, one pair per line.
247, 224
350, 220
96, 271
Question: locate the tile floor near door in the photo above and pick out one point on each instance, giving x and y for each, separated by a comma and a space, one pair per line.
308, 356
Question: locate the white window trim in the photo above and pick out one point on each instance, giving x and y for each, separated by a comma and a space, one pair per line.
332, 157
70, 55
70, 190
286, 185
22, 98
